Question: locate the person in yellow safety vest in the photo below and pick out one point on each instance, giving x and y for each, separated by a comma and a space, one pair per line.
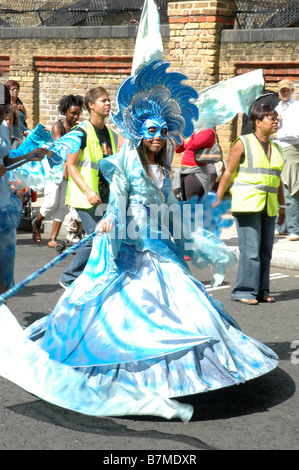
87, 189
254, 167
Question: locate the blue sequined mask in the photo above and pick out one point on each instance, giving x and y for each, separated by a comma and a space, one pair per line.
155, 95
158, 124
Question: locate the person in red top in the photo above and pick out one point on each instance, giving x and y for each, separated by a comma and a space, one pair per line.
194, 178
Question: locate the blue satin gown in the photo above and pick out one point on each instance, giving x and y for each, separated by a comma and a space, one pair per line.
136, 329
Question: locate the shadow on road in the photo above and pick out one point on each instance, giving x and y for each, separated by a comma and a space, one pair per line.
255, 396
106, 427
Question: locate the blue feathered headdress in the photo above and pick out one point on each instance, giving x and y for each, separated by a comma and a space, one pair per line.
153, 92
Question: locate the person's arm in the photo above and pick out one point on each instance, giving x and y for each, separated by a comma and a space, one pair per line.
36, 154
23, 128
202, 139
281, 202
56, 132
2, 170
72, 168
105, 225
120, 142
22, 108
181, 148
230, 170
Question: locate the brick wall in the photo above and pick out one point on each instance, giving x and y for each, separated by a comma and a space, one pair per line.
52, 62
194, 41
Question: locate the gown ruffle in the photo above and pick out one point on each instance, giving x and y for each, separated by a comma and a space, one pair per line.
38, 174
136, 329
35, 174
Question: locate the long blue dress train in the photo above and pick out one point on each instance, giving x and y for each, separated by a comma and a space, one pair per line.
136, 329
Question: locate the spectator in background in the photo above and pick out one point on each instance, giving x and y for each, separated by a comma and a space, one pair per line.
254, 168
288, 139
193, 179
16, 103
87, 189
71, 107
17, 130
54, 203
267, 97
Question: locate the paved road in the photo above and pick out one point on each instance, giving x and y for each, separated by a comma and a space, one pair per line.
261, 414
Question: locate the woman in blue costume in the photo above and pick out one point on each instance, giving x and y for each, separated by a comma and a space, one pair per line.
136, 329
10, 206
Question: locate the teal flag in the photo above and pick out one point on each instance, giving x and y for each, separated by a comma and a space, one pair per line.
220, 103
217, 104
148, 47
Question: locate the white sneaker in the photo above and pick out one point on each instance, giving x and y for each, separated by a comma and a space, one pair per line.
73, 237
76, 239
293, 237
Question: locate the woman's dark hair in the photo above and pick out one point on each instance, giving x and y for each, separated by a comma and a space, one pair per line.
14, 114
92, 95
68, 101
258, 113
160, 157
12, 83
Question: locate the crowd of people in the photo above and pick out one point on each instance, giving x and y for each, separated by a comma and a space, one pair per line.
66, 201
125, 283
80, 196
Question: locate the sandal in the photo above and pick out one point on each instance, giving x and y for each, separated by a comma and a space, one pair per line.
36, 234
268, 299
249, 301
52, 243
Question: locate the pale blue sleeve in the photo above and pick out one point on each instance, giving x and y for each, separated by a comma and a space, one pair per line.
196, 229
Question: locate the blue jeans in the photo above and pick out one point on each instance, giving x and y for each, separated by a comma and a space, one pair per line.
292, 212
7, 258
256, 238
291, 224
89, 221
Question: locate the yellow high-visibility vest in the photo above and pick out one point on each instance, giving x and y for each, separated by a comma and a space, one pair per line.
88, 166
257, 179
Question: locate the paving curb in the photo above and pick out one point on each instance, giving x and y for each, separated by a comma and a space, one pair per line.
280, 258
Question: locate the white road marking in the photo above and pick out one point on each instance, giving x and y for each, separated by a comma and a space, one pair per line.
209, 288
273, 276
278, 275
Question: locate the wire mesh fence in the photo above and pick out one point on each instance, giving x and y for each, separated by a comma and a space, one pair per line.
255, 14
249, 14
16, 13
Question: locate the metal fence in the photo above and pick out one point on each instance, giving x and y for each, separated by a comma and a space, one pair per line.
255, 14
249, 14
75, 13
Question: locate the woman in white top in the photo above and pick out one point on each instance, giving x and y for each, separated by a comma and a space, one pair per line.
288, 139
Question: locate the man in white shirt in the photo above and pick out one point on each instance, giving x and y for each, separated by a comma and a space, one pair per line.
288, 139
